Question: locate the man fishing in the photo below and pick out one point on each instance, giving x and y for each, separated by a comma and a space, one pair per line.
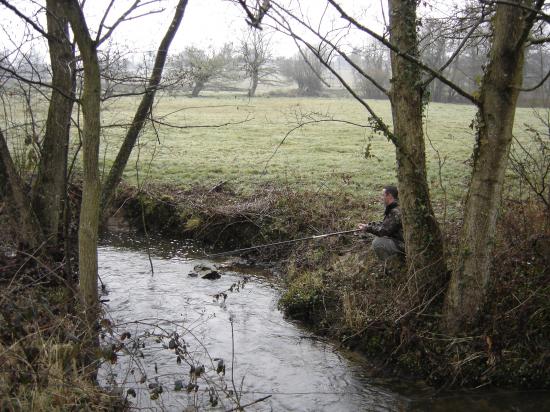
388, 240
388, 234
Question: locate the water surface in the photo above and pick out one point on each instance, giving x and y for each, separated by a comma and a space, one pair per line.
263, 353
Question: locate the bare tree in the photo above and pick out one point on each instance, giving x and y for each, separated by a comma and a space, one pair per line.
256, 59
115, 71
50, 184
306, 70
374, 59
89, 209
143, 111
498, 96
422, 235
199, 67
53, 150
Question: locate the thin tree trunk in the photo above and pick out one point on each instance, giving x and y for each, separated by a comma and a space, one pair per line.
498, 97
89, 209
28, 227
253, 85
115, 174
199, 85
423, 239
50, 183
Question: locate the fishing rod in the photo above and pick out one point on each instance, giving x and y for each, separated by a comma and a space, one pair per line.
284, 242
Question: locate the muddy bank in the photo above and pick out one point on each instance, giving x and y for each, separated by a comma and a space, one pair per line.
337, 287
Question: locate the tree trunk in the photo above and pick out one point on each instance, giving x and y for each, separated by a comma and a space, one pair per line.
50, 183
253, 84
115, 174
89, 209
423, 239
27, 225
498, 97
199, 85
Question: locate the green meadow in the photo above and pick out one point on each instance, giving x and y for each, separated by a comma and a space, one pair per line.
302, 143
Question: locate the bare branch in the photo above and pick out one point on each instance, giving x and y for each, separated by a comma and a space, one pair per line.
403, 54
530, 20
536, 10
199, 126
123, 17
28, 20
530, 89
457, 51
102, 23
539, 40
255, 20
35, 82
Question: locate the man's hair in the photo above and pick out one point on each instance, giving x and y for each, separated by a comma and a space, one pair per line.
392, 190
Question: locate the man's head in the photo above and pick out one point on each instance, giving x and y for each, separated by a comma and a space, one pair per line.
390, 195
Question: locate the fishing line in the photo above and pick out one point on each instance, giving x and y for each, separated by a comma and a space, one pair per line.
284, 242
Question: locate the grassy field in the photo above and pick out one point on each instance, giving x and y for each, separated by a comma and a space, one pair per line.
324, 156
283, 141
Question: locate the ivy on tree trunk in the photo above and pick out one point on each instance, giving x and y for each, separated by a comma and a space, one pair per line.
498, 97
422, 235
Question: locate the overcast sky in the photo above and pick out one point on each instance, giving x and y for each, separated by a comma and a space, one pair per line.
206, 22
215, 22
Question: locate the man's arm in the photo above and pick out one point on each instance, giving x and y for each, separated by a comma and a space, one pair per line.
388, 227
368, 227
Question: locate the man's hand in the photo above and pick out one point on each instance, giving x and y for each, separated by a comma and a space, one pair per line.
364, 226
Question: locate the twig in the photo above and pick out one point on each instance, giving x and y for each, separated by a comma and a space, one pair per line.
302, 125
249, 404
233, 366
143, 212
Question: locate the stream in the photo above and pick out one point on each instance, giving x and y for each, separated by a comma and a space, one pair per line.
187, 343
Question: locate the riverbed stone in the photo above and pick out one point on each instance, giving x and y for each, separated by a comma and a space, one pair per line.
207, 272
212, 275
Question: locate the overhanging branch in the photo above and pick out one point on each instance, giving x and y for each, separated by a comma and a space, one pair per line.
404, 55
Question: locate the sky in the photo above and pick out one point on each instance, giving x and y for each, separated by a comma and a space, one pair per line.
205, 23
